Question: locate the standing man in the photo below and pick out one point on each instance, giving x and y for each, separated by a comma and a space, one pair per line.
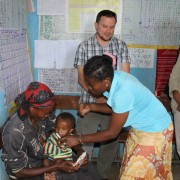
174, 93
101, 42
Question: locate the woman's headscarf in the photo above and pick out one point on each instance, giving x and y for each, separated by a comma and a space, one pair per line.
37, 95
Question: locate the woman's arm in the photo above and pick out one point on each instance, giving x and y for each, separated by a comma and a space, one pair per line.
115, 126
64, 166
30, 172
83, 109
125, 67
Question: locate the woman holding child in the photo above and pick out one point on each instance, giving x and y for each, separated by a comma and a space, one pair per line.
148, 149
24, 136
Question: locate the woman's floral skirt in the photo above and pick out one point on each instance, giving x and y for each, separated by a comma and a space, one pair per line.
147, 156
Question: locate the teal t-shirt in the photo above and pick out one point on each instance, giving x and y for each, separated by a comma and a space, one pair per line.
146, 112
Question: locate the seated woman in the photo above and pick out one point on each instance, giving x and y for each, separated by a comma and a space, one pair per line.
22, 135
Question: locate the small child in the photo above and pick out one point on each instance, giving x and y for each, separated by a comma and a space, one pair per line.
54, 149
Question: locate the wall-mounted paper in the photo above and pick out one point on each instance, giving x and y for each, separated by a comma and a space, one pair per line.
151, 22
12, 14
51, 7
141, 58
60, 80
55, 54
82, 14
14, 63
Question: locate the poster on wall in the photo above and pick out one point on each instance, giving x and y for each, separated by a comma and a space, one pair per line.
12, 14
82, 14
60, 80
151, 22
141, 57
15, 67
58, 54
165, 62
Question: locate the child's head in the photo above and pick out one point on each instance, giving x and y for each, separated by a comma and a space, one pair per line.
65, 124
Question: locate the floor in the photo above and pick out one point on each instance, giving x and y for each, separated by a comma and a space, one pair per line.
176, 171
175, 167
116, 166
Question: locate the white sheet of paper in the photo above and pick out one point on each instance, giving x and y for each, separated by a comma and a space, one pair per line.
141, 57
55, 54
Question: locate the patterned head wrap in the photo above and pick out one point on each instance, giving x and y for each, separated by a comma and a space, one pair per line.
37, 95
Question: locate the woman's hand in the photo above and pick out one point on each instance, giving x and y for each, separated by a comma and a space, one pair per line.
86, 160
70, 141
47, 176
83, 109
50, 176
67, 167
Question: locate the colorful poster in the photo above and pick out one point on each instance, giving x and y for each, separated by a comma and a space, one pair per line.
165, 62
82, 14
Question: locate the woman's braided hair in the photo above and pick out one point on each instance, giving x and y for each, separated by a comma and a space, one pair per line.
99, 68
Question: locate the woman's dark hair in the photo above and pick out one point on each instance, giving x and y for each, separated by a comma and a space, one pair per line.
99, 68
67, 116
106, 13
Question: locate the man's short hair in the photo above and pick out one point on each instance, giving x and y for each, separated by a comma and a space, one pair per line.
107, 13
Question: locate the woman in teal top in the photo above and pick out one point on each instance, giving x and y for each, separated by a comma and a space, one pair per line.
127, 94
148, 149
